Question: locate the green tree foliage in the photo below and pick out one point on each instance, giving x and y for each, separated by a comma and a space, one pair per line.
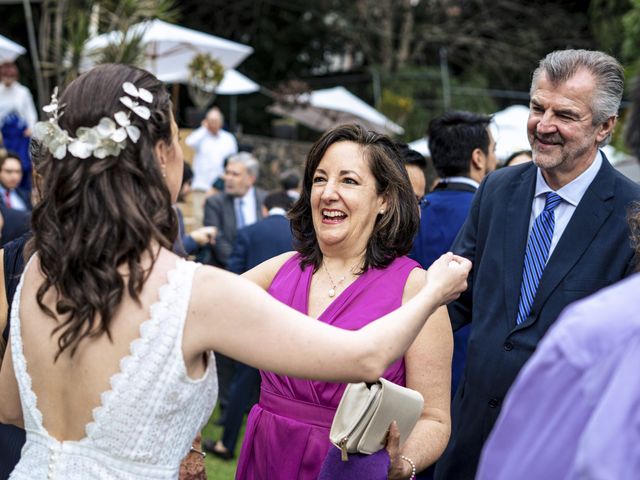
631, 37
489, 42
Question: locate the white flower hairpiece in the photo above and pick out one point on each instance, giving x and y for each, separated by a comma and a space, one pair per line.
105, 139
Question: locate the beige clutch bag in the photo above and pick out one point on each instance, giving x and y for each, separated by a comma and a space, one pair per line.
364, 414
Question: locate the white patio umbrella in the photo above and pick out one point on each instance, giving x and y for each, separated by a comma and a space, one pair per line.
233, 82
170, 48
324, 109
509, 128
421, 146
10, 50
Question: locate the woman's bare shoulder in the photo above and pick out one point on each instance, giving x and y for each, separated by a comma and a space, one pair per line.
415, 281
262, 275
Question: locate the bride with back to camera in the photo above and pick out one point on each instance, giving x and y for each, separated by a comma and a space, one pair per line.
109, 366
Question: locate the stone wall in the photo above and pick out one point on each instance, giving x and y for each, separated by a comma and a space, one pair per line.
275, 156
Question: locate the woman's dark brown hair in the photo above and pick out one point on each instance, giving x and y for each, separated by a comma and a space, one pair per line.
394, 230
96, 215
632, 137
633, 217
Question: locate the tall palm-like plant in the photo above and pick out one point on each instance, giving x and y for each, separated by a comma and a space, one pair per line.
67, 25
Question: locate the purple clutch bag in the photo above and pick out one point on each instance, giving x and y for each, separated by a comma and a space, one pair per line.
359, 466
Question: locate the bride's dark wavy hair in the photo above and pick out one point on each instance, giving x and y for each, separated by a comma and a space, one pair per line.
96, 215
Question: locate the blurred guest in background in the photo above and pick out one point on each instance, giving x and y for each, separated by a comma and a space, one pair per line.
14, 223
212, 144
240, 204
516, 158
416, 165
11, 194
290, 183
17, 117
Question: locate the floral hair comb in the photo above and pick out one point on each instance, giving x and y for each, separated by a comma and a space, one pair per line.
107, 138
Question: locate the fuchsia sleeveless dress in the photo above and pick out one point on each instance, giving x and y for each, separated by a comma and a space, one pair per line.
287, 434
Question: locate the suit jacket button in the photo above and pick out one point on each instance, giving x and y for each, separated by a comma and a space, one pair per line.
508, 346
493, 403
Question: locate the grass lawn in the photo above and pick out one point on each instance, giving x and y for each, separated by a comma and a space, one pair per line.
218, 469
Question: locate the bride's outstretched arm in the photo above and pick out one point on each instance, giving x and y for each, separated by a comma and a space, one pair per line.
233, 316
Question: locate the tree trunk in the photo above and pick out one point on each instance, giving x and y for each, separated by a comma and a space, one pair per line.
387, 37
406, 35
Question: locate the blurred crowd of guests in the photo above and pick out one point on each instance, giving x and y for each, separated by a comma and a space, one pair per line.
17, 117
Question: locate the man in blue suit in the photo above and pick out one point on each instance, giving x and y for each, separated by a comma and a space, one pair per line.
463, 153
541, 235
265, 239
254, 244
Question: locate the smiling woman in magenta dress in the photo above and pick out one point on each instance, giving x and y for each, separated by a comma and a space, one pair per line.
290, 424
354, 223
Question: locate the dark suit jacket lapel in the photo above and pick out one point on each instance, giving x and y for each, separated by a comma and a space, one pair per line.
516, 234
258, 204
230, 214
586, 221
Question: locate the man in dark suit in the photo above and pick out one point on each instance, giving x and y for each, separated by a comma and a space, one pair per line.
254, 244
11, 195
240, 204
540, 235
13, 223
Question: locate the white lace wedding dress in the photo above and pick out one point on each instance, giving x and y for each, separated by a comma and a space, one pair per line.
146, 422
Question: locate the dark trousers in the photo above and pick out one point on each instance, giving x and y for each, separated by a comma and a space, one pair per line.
225, 367
11, 441
246, 382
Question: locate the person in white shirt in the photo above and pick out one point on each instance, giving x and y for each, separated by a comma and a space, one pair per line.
15, 97
212, 145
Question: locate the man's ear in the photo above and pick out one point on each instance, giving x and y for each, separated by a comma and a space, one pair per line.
606, 128
478, 159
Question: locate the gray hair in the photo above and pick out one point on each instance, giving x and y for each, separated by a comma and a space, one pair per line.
248, 160
561, 65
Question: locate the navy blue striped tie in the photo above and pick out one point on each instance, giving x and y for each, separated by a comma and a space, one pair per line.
535, 258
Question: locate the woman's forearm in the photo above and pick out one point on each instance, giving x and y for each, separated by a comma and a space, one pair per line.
427, 442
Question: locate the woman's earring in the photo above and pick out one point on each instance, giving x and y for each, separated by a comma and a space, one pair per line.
381, 211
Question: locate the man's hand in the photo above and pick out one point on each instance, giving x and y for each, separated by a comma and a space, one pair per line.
205, 235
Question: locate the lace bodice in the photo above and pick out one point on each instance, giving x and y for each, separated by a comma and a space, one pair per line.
146, 422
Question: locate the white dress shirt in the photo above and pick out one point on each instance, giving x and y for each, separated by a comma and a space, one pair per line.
17, 98
571, 195
210, 153
16, 200
466, 180
248, 207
